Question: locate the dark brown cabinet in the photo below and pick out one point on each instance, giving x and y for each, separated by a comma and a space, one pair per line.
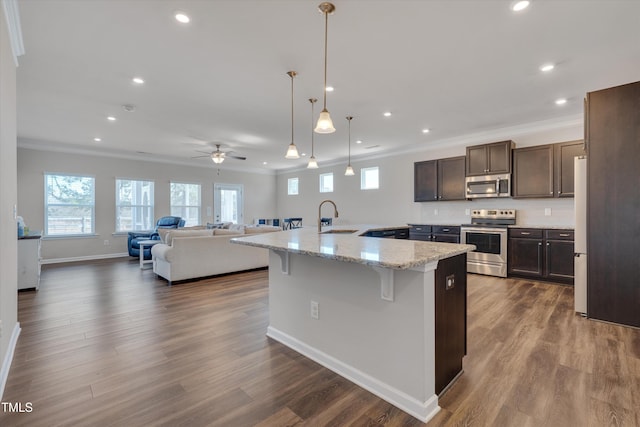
533, 171
487, 159
613, 204
438, 180
545, 170
564, 153
541, 254
450, 319
435, 233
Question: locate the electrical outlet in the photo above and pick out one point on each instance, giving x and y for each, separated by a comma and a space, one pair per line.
467, 212
547, 211
106, 243
435, 211
315, 310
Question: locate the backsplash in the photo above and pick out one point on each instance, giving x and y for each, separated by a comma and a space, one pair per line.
530, 212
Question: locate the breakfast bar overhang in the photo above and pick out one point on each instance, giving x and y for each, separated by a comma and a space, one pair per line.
388, 315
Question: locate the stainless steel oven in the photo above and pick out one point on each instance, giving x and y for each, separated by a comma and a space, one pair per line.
488, 232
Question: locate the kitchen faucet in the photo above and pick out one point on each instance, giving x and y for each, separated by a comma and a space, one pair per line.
335, 209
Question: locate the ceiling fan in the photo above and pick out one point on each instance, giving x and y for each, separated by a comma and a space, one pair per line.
218, 155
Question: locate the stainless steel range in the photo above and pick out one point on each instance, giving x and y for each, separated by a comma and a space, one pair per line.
488, 232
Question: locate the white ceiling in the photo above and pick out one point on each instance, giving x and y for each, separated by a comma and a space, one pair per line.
457, 67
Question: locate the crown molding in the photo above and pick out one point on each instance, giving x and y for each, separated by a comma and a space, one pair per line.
32, 144
490, 135
12, 15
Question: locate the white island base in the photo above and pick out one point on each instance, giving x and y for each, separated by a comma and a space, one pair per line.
386, 347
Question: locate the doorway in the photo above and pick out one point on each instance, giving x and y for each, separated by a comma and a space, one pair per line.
228, 204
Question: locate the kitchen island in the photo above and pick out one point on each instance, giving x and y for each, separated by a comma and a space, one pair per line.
387, 314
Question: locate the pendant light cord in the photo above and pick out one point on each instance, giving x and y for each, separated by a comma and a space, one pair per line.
349, 119
292, 75
326, 29
312, 101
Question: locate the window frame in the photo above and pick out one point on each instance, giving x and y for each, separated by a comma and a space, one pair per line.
119, 205
320, 179
363, 173
297, 189
47, 205
186, 207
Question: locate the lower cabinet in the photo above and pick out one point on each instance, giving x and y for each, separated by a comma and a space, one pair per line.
451, 319
545, 254
435, 233
398, 233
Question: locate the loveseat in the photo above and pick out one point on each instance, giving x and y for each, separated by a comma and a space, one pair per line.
134, 238
190, 254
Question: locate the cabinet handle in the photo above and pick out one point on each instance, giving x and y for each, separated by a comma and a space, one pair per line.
547, 243
565, 234
445, 230
525, 233
539, 244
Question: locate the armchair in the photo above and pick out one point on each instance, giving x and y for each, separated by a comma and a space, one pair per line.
136, 236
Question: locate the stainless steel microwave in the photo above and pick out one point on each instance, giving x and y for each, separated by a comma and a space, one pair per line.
488, 186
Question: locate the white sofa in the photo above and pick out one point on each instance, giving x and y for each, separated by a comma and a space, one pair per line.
191, 254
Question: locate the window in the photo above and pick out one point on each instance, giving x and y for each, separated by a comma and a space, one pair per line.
292, 186
69, 205
326, 182
134, 205
369, 178
185, 202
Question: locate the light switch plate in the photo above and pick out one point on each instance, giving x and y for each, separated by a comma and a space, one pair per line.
547, 211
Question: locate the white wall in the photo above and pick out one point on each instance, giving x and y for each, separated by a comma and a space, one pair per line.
259, 195
8, 230
393, 202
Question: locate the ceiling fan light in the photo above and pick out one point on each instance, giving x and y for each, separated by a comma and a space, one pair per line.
324, 124
349, 171
292, 152
313, 164
217, 158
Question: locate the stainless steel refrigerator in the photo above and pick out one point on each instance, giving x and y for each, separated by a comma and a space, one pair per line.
580, 244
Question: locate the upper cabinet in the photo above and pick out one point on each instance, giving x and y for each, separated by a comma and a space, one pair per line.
565, 153
489, 159
545, 170
438, 180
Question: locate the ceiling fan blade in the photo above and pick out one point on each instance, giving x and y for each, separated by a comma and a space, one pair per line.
237, 157
199, 157
204, 152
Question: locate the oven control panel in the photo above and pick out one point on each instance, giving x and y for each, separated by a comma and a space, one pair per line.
493, 214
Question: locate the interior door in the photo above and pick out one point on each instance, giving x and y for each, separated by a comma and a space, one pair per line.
228, 203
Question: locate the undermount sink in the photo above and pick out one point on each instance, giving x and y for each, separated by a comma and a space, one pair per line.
340, 231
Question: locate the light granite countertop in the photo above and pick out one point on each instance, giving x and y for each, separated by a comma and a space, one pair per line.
351, 247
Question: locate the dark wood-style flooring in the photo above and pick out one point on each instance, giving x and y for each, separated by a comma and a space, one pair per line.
105, 344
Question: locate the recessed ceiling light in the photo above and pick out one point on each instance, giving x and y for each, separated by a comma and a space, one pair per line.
303, 154
182, 17
111, 118
359, 141
387, 113
517, 6
97, 139
137, 80
329, 88
561, 101
425, 130
264, 163
547, 67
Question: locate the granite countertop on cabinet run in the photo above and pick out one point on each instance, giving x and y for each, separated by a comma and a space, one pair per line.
397, 254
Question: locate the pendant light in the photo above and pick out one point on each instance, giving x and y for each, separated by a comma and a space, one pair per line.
349, 171
325, 124
313, 164
292, 151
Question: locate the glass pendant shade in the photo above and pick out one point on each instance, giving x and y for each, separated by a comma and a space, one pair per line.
325, 124
349, 171
217, 159
312, 163
292, 152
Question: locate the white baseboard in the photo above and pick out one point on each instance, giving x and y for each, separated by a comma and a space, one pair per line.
423, 411
83, 258
8, 358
